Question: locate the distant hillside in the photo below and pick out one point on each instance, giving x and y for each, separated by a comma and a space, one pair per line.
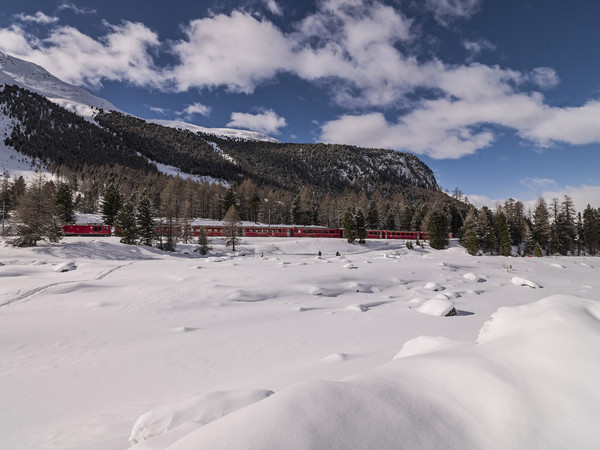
43, 130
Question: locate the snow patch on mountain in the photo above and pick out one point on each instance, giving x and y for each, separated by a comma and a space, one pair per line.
13, 163
37, 79
228, 133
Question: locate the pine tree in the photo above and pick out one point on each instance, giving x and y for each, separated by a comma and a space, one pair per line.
349, 225
145, 220
373, 216
111, 204
469, 237
438, 230
296, 211
541, 224
64, 203
486, 230
230, 199
361, 227
126, 223
232, 225
537, 251
255, 203
203, 242
503, 234
591, 229
528, 241
566, 228
36, 215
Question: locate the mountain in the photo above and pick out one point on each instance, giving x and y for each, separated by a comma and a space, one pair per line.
30, 76
85, 130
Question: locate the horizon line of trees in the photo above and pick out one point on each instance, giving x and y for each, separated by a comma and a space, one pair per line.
549, 229
144, 203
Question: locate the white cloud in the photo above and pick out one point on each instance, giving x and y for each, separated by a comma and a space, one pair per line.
156, 109
273, 7
581, 196
545, 77
266, 121
446, 11
38, 17
356, 49
123, 54
76, 9
475, 48
238, 51
196, 108
537, 182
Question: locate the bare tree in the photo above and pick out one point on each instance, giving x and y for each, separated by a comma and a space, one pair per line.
232, 227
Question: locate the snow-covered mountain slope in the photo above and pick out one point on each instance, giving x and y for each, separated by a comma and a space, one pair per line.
229, 133
32, 77
37, 79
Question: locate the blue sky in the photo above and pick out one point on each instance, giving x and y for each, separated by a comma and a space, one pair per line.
500, 98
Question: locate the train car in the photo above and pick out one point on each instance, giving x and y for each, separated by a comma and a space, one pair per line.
211, 230
266, 231
317, 232
86, 230
405, 235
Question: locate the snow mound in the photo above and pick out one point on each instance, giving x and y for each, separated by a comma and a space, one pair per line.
505, 395
335, 358
358, 307
518, 281
425, 344
432, 286
473, 277
202, 409
349, 266
65, 267
437, 307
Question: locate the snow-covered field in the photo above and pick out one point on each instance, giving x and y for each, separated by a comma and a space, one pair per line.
105, 346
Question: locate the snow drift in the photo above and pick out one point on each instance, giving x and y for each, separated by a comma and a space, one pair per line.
509, 389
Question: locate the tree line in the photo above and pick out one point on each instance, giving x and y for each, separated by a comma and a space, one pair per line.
548, 229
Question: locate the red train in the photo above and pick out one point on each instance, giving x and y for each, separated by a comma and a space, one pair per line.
262, 231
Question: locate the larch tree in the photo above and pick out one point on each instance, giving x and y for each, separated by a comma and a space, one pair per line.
232, 223
36, 215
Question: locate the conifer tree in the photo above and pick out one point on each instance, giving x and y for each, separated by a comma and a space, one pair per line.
255, 203
145, 220
503, 234
64, 203
126, 223
349, 225
541, 224
230, 199
486, 230
296, 210
537, 251
438, 230
373, 216
203, 242
36, 215
591, 229
232, 227
528, 241
111, 204
469, 237
361, 227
